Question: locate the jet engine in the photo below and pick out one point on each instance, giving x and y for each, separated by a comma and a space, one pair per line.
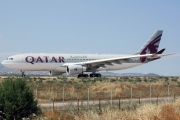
55, 73
75, 69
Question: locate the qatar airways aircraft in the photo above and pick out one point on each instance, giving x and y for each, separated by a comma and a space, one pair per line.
57, 64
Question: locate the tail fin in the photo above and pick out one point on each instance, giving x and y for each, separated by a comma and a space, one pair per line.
152, 44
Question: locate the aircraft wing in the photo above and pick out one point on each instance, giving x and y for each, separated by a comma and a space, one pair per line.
116, 60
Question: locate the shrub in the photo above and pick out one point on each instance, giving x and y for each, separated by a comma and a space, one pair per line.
16, 99
174, 80
179, 84
138, 80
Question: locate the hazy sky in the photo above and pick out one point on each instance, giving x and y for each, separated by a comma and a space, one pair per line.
94, 26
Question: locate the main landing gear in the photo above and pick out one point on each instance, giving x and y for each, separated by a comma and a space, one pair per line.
95, 75
82, 75
91, 75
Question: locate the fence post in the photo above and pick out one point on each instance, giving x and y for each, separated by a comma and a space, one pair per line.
81, 104
111, 95
78, 104
63, 95
168, 90
99, 104
37, 91
131, 93
150, 92
119, 103
139, 100
53, 104
53, 99
174, 98
157, 100
88, 95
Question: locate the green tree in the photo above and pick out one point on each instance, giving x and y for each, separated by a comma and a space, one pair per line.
16, 99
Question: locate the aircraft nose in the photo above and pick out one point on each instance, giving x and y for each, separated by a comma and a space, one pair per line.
3, 62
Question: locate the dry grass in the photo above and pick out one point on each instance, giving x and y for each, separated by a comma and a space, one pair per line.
77, 88
164, 111
100, 87
73, 92
55, 115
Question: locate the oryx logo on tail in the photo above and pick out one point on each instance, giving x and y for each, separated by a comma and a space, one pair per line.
151, 47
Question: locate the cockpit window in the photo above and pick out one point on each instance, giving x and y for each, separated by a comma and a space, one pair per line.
9, 59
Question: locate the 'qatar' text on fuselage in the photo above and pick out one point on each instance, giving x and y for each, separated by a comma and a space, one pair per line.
44, 59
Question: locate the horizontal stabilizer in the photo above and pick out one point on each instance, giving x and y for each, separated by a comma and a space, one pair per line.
161, 51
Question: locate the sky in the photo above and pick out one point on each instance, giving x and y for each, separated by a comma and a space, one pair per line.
89, 27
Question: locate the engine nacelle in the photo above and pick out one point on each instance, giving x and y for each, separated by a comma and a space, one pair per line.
75, 69
55, 73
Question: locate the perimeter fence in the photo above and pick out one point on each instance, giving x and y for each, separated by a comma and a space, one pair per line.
122, 96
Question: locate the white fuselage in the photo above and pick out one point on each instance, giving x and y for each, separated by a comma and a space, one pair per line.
58, 64
54, 62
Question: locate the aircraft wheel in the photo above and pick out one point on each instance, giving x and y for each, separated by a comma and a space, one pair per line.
85, 75
80, 75
98, 75
95, 75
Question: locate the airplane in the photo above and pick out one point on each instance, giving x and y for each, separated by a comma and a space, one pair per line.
58, 64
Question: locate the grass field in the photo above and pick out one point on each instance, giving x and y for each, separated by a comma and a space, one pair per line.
49, 88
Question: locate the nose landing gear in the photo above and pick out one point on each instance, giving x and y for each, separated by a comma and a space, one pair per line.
22, 73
